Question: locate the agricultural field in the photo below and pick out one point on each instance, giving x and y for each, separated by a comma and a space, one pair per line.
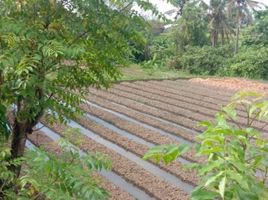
133, 99
131, 117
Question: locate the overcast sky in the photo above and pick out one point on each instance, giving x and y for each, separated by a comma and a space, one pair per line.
163, 6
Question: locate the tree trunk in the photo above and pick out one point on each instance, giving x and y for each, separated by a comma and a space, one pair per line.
237, 29
19, 136
222, 38
22, 127
214, 38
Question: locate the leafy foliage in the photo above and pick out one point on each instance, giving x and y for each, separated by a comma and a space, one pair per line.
69, 172
190, 28
257, 34
204, 60
237, 164
4, 125
52, 51
38, 40
250, 62
202, 40
7, 177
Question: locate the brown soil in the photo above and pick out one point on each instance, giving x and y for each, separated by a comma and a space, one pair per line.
169, 97
195, 89
200, 87
158, 103
180, 91
175, 168
137, 130
139, 116
129, 170
233, 84
148, 109
183, 108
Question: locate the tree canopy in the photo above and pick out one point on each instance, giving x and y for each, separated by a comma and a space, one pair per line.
52, 51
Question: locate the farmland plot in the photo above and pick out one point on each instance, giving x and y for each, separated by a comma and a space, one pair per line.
128, 119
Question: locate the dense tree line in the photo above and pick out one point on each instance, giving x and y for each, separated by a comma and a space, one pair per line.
224, 37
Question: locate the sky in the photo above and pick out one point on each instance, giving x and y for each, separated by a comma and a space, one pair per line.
163, 6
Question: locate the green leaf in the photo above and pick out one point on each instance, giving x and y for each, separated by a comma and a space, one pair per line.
222, 187
167, 153
213, 179
210, 166
245, 195
201, 194
230, 111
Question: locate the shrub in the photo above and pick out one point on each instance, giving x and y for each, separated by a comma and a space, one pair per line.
50, 176
205, 60
251, 62
237, 156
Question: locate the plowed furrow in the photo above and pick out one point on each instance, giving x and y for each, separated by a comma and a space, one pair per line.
143, 118
190, 111
172, 97
216, 89
217, 93
175, 168
132, 172
186, 97
162, 102
149, 110
204, 96
185, 90
137, 130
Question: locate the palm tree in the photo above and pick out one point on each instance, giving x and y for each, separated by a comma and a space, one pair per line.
242, 9
219, 24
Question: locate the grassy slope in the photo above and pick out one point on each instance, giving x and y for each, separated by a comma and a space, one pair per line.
136, 72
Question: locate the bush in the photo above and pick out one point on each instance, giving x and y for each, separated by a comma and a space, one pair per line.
205, 60
67, 175
251, 62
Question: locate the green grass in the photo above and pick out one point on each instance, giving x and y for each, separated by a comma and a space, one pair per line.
136, 72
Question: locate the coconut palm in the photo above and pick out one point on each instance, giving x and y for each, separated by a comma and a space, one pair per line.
242, 11
219, 24
218, 21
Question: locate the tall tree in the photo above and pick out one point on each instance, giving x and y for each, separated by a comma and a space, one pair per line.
218, 22
51, 49
257, 34
191, 27
242, 9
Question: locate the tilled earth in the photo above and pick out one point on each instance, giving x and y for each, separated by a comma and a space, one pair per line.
126, 120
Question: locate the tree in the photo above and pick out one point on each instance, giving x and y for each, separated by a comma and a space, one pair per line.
179, 4
49, 50
190, 28
243, 10
257, 33
218, 22
65, 175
